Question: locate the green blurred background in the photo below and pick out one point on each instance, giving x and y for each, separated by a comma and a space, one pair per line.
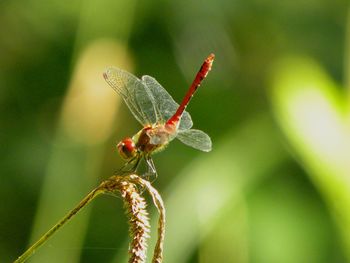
275, 188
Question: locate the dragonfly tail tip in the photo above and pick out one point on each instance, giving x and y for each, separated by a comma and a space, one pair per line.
211, 57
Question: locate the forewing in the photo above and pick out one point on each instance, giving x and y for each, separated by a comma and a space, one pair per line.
165, 104
135, 93
196, 139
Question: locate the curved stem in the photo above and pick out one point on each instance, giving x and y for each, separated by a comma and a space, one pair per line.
135, 204
158, 202
30, 251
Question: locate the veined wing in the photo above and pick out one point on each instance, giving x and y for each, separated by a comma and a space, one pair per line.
165, 104
196, 139
135, 93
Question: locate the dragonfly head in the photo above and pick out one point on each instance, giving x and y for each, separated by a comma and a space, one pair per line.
127, 148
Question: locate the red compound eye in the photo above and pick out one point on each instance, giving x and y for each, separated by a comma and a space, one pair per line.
127, 148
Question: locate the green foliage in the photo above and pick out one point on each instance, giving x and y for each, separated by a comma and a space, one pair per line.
275, 187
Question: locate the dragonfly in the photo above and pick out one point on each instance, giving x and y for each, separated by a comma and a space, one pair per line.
162, 118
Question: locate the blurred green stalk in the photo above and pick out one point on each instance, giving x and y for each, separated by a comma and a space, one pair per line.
313, 114
75, 163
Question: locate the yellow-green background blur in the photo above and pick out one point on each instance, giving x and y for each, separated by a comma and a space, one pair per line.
275, 187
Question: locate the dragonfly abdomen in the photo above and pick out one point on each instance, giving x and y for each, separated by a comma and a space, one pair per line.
202, 73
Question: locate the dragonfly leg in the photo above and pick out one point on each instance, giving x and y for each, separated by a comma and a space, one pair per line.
151, 169
129, 167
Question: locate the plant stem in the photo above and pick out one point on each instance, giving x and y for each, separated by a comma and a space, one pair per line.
137, 214
30, 251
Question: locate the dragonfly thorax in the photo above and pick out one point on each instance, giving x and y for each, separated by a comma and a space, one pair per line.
147, 141
152, 139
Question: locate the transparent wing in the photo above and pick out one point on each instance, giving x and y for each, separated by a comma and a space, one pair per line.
165, 104
135, 93
196, 139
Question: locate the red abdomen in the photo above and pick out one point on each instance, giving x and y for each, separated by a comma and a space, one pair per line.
202, 73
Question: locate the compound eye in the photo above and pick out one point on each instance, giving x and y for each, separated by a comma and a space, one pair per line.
127, 148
